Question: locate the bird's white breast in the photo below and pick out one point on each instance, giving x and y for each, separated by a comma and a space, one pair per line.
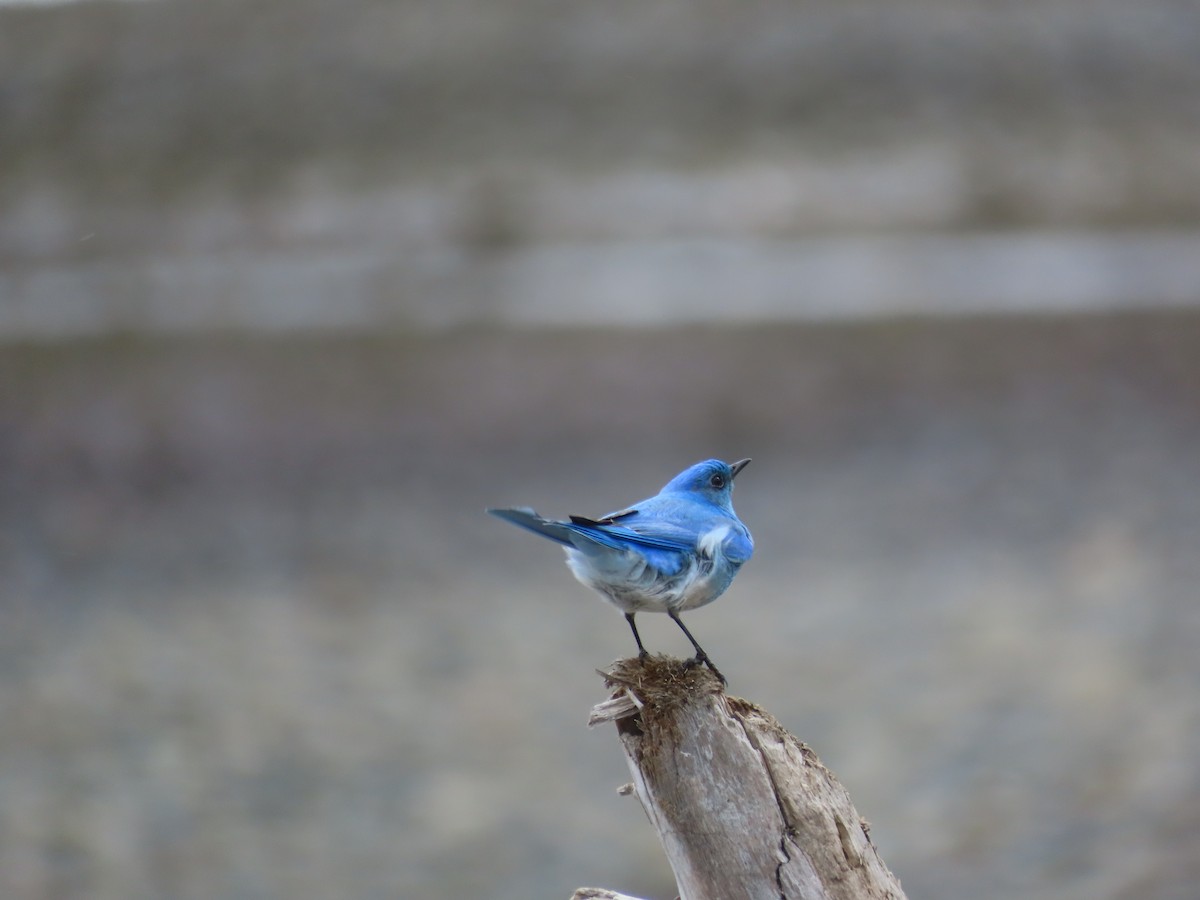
710, 542
627, 580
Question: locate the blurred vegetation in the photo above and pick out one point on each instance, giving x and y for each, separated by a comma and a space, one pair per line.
139, 102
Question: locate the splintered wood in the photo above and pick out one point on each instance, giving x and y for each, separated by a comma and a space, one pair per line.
742, 808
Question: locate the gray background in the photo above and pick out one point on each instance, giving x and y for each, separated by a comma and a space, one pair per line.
290, 292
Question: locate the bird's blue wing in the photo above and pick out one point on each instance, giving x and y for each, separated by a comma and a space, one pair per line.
664, 552
681, 524
663, 548
609, 535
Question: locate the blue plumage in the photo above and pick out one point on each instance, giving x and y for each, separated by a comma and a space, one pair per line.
668, 553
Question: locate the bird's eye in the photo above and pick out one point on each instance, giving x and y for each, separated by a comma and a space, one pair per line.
717, 480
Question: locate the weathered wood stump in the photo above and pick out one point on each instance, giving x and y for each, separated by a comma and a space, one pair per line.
743, 809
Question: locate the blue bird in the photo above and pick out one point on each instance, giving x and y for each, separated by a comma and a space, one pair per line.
671, 552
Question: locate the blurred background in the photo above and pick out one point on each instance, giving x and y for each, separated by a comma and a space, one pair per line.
291, 290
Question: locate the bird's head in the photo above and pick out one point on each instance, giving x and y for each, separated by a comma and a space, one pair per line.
712, 479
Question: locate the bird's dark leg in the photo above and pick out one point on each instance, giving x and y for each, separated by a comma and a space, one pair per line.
642, 654
701, 656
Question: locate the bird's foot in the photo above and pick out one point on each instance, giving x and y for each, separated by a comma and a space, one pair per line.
702, 658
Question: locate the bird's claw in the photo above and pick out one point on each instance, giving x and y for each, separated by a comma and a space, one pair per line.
702, 658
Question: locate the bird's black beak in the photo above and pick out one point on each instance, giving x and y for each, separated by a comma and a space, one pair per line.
737, 467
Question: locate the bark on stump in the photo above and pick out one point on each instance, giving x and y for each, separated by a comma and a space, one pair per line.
743, 809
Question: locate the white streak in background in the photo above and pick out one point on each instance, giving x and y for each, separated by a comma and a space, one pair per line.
607, 284
57, 2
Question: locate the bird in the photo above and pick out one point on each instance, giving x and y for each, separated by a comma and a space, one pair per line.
669, 553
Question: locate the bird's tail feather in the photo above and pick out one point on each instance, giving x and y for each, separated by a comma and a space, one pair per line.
527, 518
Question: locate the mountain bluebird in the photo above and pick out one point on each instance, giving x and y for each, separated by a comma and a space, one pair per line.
674, 551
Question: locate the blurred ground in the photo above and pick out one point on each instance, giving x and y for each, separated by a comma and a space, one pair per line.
260, 640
